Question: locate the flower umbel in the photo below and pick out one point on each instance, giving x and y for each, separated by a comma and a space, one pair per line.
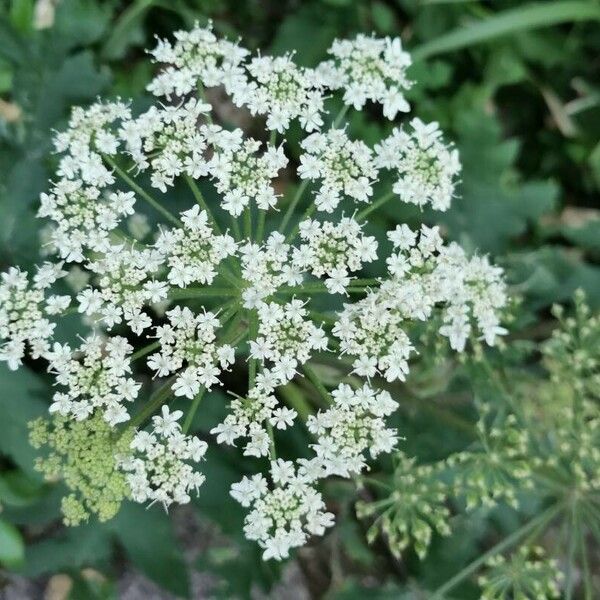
189, 260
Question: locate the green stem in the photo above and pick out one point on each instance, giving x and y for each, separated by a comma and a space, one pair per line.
189, 417
340, 116
208, 292
542, 519
252, 333
237, 234
314, 379
248, 221
141, 192
260, 230
273, 137
272, 449
202, 202
145, 350
156, 400
292, 206
374, 206
202, 96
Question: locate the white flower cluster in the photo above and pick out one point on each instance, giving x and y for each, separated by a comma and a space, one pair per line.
83, 216
425, 168
188, 342
352, 425
343, 166
97, 377
368, 68
266, 269
334, 250
82, 208
23, 310
251, 416
161, 465
286, 338
283, 91
193, 251
423, 274
125, 283
177, 276
241, 174
168, 141
197, 57
282, 517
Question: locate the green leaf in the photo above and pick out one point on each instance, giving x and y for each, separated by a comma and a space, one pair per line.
586, 236
307, 34
147, 537
17, 489
492, 206
126, 29
512, 21
21, 391
12, 549
21, 15
73, 548
80, 22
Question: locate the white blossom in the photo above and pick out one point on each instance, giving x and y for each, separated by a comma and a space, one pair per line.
24, 308
369, 68
425, 168
161, 466
342, 166
97, 377
188, 346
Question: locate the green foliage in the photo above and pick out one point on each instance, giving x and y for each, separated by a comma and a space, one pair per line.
504, 450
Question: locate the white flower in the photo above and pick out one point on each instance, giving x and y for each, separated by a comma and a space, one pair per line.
242, 174
350, 427
96, 377
282, 518
160, 467
426, 169
23, 310
193, 251
334, 250
282, 91
368, 68
188, 342
344, 168
197, 56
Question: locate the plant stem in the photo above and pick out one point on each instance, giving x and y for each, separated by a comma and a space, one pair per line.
235, 226
374, 206
202, 202
252, 333
189, 417
272, 449
339, 117
145, 350
141, 192
156, 400
542, 519
314, 379
260, 230
292, 207
208, 292
248, 221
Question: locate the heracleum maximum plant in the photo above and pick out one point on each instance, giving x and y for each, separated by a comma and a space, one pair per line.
236, 280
